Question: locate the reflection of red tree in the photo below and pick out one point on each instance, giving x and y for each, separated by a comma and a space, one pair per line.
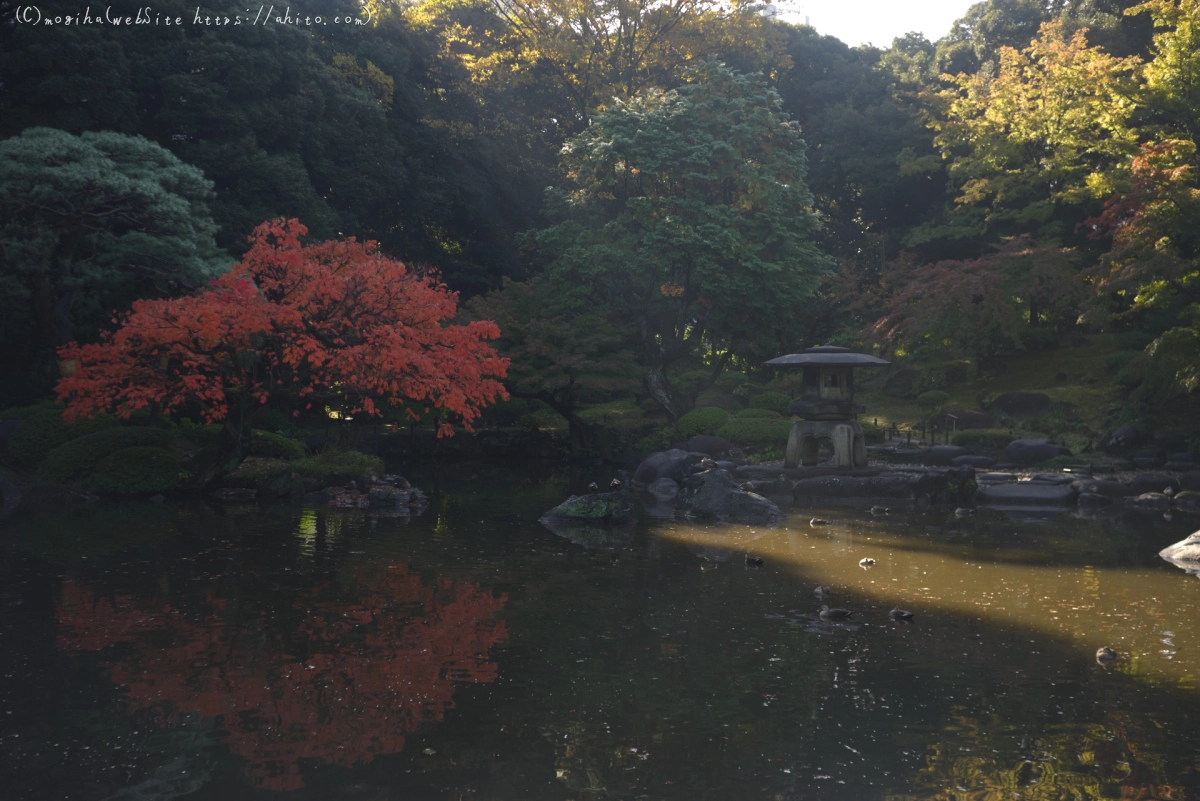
345, 686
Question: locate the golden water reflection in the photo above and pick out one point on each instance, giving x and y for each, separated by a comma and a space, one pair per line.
1149, 615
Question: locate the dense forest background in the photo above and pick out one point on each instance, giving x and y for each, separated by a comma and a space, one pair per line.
618, 185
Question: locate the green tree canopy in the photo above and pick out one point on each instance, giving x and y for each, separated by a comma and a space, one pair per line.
563, 349
690, 218
90, 223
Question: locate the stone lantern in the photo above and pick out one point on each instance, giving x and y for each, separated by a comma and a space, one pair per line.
826, 406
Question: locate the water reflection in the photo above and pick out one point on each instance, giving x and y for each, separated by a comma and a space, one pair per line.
338, 675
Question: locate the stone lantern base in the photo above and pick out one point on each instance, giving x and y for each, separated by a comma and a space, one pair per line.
849, 443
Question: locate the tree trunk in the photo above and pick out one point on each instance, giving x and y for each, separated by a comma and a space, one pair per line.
660, 389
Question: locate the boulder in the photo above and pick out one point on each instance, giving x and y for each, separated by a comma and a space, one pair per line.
1123, 441
49, 499
600, 507
1190, 481
727, 465
1027, 493
720, 498
716, 447
943, 455
316, 498
1169, 442
1054, 478
10, 497
344, 480
385, 496
1032, 451
674, 464
1092, 500
1022, 404
233, 494
1109, 489
1184, 554
1180, 463
1150, 458
978, 462
1152, 501
664, 489
1152, 482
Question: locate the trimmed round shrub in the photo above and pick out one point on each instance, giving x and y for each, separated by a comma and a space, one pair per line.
932, 399
872, 433
775, 401
982, 438
728, 382
74, 461
763, 414
43, 430
274, 446
705, 420
756, 431
136, 470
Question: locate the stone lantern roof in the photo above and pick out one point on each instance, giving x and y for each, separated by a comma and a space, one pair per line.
827, 356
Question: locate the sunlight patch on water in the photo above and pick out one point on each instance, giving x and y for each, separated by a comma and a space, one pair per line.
1151, 617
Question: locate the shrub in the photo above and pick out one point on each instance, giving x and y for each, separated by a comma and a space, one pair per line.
756, 431
1115, 361
1135, 340
74, 461
351, 462
43, 430
266, 444
774, 401
982, 438
135, 470
872, 433
762, 414
705, 420
932, 400
728, 382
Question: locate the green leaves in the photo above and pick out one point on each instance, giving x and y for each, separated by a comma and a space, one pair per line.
689, 216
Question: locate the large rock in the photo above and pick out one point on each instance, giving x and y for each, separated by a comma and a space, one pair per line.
1123, 441
1169, 442
1152, 482
716, 447
1092, 500
1149, 458
943, 455
1032, 451
48, 499
1027, 493
1022, 404
601, 507
1150, 501
720, 498
1190, 481
1097, 486
674, 464
10, 497
1184, 554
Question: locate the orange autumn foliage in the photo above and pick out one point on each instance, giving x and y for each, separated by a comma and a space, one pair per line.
344, 681
331, 322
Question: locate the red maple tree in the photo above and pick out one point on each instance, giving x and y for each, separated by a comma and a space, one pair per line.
346, 684
335, 322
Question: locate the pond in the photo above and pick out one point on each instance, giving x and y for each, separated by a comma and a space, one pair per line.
246, 652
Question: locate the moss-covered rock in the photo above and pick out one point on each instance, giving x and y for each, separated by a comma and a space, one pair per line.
602, 506
345, 462
704, 420
43, 429
136, 470
274, 446
756, 431
761, 414
73, 462
775, 401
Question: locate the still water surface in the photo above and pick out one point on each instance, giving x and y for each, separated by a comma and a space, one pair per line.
158, 652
